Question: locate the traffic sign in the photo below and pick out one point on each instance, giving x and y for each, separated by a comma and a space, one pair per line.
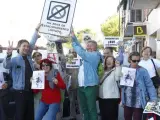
57, 17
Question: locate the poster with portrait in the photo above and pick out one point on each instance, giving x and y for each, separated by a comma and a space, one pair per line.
1, 80
53, 57
128, 76
38, 79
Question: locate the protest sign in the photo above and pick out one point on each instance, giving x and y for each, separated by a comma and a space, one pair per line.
57, 17
128, 76
38, 79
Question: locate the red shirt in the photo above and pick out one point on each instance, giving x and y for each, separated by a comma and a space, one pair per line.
50, 95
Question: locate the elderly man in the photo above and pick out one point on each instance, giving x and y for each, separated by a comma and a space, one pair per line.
87, 77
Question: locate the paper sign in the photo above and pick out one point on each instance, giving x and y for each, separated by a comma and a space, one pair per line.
53, 57
152, 107
38, 80
1, 80
128, 76
75, 63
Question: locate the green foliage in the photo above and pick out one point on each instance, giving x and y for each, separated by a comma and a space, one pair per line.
79, 35
111, 26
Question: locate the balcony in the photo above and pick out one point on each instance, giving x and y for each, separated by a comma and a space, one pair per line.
144, 4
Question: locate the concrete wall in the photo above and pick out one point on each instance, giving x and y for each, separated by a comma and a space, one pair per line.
153, 23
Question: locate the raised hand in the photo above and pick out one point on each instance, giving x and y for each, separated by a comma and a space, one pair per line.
4, 86
72, 31
10, 48
37, 29
55, 81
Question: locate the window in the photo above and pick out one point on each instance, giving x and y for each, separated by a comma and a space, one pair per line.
136, 16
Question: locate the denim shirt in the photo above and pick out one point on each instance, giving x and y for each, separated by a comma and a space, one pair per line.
91, 61
145, 85
17, 66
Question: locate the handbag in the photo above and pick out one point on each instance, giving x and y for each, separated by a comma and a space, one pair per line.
156, 79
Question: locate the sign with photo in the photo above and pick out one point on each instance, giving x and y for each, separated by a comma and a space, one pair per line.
128, 76
38, 80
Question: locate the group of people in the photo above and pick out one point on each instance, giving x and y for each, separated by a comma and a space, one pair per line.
110, 92
45, 104
30, 104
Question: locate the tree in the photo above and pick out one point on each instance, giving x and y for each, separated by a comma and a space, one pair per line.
79, 35
111, 26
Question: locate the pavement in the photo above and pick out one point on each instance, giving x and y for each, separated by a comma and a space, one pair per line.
78, 117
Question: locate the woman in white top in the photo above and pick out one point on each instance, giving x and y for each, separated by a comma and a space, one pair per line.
109, 94
150, 64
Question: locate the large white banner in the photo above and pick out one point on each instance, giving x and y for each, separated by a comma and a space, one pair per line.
57, 17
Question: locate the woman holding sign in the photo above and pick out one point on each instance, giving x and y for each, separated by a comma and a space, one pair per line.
51, 97
135, 98
21, 67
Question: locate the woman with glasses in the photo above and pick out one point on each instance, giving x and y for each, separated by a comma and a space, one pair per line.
37, 57
135, 98
51, 97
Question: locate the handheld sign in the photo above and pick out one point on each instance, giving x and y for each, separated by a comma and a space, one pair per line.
57, 17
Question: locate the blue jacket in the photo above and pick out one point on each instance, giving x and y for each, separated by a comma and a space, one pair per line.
91, 60
147, 90
17, 66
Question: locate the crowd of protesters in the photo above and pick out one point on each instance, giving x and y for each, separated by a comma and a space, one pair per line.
33, 104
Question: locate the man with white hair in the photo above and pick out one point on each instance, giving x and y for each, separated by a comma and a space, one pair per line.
87, 77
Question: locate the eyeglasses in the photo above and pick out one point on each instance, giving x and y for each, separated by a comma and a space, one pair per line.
37, 55
44, 65
136, 61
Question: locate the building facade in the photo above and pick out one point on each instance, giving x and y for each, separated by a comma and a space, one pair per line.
141, 24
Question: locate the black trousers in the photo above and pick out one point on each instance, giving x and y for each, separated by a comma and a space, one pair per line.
4, 107
108, 109
24, 101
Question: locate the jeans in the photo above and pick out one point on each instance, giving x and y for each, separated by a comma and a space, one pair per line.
47, 111
37, 98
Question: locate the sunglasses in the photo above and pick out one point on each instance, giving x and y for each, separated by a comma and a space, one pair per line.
44, 65
136, 61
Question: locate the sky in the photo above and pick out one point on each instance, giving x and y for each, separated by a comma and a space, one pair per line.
18, 18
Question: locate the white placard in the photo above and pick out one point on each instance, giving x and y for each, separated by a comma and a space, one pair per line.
75, 63
1, 80
111, 41
57, 17
128, 76
38, 79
